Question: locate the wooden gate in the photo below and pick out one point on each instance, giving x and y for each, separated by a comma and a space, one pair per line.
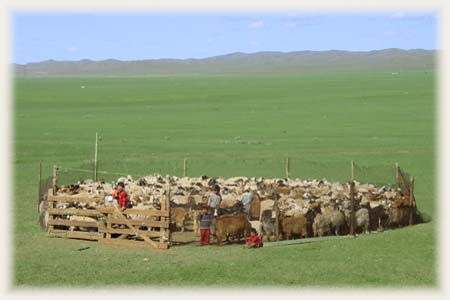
109, 225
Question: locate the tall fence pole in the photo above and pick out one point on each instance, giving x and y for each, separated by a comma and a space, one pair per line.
54, 178
40, 184
167, 207
352, 215
412, 203
277, 220
184, 167
353, 170
397, 174
287, 167
96, 157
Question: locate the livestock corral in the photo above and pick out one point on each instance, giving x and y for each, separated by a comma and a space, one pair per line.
162, 211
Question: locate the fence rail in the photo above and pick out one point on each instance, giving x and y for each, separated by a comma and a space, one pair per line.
112, 226
104, 221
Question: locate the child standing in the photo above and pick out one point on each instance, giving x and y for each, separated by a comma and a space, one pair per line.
204, 219
214, 202
120, 195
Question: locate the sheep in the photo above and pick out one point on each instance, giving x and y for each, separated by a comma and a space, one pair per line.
398, 216
337, 221
193, 215
266, 205
141, 217
178, 217
267, 225
291, 226
385, 206
378, 217
83, 219
362, 219
321, 225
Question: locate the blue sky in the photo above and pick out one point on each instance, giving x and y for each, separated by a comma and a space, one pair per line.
132, 36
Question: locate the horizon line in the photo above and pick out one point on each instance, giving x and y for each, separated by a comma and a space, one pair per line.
219, 55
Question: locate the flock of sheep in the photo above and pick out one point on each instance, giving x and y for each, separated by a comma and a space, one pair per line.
305, 208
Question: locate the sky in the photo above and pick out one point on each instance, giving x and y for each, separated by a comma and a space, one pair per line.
133, 36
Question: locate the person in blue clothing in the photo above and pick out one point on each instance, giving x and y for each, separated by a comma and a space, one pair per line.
247, 201
213, 204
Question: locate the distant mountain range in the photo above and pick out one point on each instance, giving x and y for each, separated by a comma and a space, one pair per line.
395, 60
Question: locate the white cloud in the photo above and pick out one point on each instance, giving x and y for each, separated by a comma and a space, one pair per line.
72, 49
255, 25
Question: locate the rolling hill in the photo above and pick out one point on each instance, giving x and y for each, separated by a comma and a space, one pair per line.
395, 60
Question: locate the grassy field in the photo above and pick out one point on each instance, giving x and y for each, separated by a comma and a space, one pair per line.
228, 125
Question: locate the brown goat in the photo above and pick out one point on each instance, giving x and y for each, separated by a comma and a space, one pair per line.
177, 217
229, 225
293, 225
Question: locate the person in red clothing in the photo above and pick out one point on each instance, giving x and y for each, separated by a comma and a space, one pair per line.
120, 195
204, 219
253, 241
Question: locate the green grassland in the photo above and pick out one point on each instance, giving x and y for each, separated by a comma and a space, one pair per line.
228, 125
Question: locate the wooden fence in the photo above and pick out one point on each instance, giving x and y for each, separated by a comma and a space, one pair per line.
109, 225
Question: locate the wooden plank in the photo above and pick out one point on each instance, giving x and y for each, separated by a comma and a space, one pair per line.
74, 211
50, 205
136, 232
75, 234
397, 176
131, 211
73, 223
140, 233
71, 199
411, 201
129, 243
122, 236
101, 229
165, 206
352, 213
55, 178
149, 223
39, 186
94, 236
108, 227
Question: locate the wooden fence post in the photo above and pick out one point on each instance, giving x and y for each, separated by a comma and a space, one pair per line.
50, 194
412, 203
397, 174
108, 226
169, 234
277, 220
40, 184
54, 178
165, 206
352, 214
353, 170
184, 167
287, 167
96, 157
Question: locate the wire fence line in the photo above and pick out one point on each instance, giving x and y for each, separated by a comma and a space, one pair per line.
111, 166
331, 170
